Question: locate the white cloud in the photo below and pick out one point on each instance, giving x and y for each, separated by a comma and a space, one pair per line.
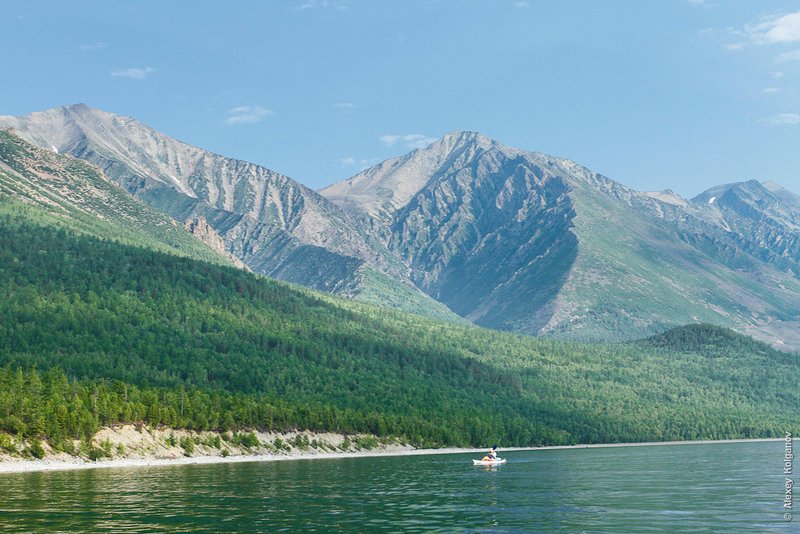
93, 46
766, 30
778, 75
418, 140
706, 4
522, 4
135, 73
344, 107
410, 140
773, 29
784, 118
785, 29
247, 115
389, 140
340, 5
794, 55
361, 163
771, 90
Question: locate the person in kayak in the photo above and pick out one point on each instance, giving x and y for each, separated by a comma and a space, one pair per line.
490, 456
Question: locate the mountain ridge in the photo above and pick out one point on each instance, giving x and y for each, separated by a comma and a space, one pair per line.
506, 238
628, 246
275, 225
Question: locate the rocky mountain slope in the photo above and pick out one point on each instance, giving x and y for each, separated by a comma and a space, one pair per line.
505, 238
527, 242
275, 225
77, 195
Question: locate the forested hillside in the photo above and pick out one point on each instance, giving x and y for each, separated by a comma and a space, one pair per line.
94, 332
75, 194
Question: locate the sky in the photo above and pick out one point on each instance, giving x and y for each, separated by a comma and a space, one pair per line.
668, 94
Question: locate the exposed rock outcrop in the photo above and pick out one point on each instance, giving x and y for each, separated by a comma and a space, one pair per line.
201, 230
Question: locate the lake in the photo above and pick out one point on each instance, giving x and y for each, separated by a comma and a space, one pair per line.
715, 487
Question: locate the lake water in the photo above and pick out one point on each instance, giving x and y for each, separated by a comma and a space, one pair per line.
720, 487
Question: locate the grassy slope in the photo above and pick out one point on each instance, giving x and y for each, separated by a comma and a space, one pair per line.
74, 194
99, 309
624, 260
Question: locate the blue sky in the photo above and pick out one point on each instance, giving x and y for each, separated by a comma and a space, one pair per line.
680, 94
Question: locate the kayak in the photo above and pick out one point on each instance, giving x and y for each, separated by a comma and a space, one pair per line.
497, 461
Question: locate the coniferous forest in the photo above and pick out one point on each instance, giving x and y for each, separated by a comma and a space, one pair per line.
94, 332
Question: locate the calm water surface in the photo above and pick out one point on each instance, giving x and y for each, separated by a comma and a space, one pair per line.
724, 487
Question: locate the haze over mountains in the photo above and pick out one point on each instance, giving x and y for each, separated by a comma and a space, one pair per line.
505, 238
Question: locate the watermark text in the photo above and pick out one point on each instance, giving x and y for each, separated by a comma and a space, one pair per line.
788, 462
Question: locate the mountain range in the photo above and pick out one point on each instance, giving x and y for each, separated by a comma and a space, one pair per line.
466, 229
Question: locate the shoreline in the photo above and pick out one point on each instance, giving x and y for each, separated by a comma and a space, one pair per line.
74, 463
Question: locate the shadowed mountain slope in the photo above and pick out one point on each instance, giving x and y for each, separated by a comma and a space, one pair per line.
505, 238
532, 243
275, 225
75, 194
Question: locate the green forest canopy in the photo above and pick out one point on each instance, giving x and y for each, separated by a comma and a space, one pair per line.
94, 332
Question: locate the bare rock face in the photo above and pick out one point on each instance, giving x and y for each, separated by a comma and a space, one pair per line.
82, 197
273, 224
506, 238
200, 229
240, 200
527, 242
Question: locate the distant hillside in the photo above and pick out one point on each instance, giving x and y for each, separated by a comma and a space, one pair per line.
76, 195
273, 224
532, 243
711, 340
470, 229
170, 340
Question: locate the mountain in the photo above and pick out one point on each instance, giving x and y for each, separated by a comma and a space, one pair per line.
273, 224
482, 228
469, 228
95, 332
532, 243
76, 195
762, 219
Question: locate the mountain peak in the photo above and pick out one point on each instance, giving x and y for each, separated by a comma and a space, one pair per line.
458, 140
749, 187
80, 107
667, 195
388, 186
772, 186
464, 137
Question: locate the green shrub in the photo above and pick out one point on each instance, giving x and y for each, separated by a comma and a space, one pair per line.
213, 441
249, 440
65, 445
95, 453
188, 445
366, 442
301, 441
7, 443
36, 450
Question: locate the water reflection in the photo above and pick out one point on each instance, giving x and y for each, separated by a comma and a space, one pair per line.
687, 488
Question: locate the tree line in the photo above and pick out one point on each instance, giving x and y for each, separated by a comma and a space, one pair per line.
117, 333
